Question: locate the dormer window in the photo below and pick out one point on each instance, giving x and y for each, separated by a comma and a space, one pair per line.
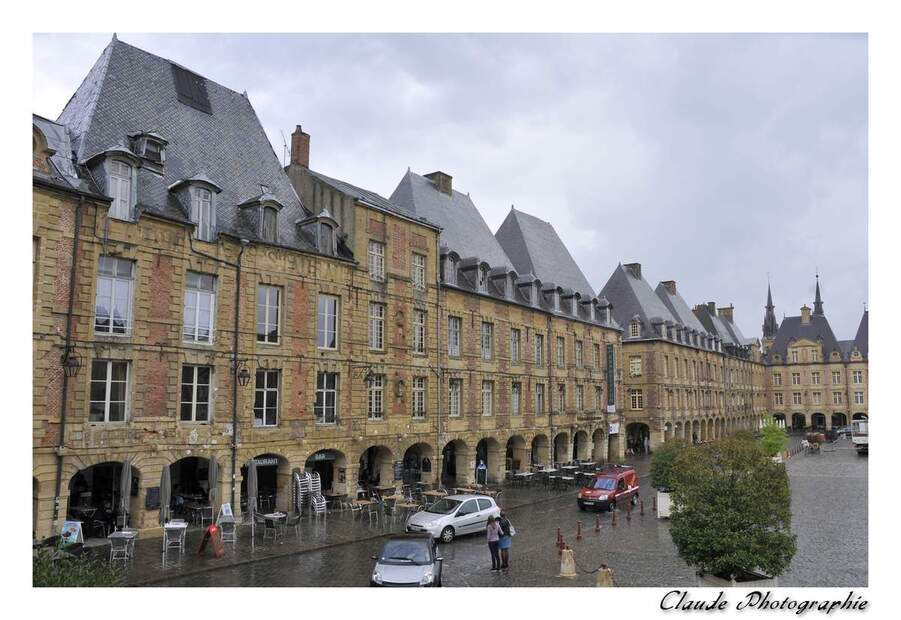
607, 314
326, 238
556, 301
483, 279
120, 175
450, 270
634, 329
149, 146
202, 213
269, 224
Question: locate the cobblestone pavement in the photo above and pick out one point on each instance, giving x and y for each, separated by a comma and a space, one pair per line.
829, 503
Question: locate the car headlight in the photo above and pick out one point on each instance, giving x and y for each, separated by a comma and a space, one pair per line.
602, 497
376, 577
427, 578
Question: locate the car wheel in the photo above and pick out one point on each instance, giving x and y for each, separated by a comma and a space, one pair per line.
447, 534
612, 506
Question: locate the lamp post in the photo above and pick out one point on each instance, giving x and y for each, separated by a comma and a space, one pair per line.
70, 360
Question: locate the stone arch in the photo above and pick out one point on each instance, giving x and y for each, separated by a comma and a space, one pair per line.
599, 439
376, 466
859, 416
490, 452
799, 421
818, 421
561, 447
419, 463
636, 434
695, 431
273, 481
516, 457
540, 450
455, 463
580, 446
93, 496
331, 465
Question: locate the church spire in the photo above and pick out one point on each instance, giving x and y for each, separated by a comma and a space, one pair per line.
818, 301
770, 325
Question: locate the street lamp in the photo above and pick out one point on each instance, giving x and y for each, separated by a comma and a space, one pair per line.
241, 372
70, 361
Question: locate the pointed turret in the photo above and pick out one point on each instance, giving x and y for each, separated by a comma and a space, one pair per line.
770, 325
818, 301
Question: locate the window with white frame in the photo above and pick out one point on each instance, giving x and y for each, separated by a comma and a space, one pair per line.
836, 377
580, 398
376, 326
539, 398
487, 340
269, 225
120, 186
453, 336
814, 355
327, 322
419, 321
455, 386
195, 393
596, 355
418, 270
794, 356
325, 410
200, 307
796, 378
483, 279
815, 377
376, 388
115, 286
636, 398
837, 398
635, 366
858, 398
539, 349
858, 376
376, 260
634, 329
202, 213
515, 398
598, 397
265, 404
561, 397
268, 300
515, 335
578, 352
487, 398
561, 351
419, 394
779, 398
450, 271
796, 398
109, 391
777, 378
817, 397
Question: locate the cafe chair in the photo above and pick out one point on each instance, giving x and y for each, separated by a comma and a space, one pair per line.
293, 520
120, 549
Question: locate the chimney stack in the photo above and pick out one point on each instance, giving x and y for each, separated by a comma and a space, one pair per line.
805, 314
443, 181
711, 307
300, 148
670, 285
726, 313
634, 268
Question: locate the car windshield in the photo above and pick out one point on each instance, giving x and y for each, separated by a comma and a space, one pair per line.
605, 484
406, 552
444, 506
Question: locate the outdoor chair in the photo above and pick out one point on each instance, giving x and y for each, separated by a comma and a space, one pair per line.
270, 528
319, 506
373, 511
120, 549
355, 509
173, 538
205, 515
293, 520
229, 530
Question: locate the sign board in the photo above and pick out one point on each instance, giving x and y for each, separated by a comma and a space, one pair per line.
398, 470
426, 464
614, 428
71, 533
322, 456
152, 499
611, 408
225, 510
266, 462
611, 379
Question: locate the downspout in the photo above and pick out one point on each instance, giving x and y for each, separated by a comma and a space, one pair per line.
438, 446
62, 407
551, 393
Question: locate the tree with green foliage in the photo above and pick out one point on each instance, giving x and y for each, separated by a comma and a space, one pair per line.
774, 440
732, 510
662, 463
743, 435
53, 567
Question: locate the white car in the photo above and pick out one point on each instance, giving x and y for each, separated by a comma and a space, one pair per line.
454, 515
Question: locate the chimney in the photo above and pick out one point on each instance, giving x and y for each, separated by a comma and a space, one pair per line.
634, 268
300, 148
726, 313
670, 285
711, 307
805, 314
443, 181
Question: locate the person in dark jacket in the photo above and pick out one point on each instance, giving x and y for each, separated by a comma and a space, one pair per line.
493, 532
506, 540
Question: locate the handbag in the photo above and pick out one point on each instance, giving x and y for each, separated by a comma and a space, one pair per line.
512, 530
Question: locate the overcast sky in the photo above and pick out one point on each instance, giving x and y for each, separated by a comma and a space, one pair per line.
711, 159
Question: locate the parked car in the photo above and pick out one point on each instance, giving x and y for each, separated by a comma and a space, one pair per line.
410, 560
454, 515
612, 485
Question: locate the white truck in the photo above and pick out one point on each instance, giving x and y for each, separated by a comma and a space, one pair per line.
859, 436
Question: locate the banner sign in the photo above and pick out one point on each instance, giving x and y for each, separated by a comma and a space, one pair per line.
611, 379
614, 428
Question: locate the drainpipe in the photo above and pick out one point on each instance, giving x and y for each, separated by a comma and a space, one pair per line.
439, 462
62, 407
551, 393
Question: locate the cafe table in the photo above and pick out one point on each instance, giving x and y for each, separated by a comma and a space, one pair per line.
279, 519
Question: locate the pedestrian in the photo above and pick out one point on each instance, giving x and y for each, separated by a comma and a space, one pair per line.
506, 539
493, 534
605, 577
647, 445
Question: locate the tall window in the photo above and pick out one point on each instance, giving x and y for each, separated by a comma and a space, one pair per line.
419, 393
195, 393
858, 398
450, 271
777, 378
634, 329
561, 352
539, 398
858, 376
376, 260
202, 213
327, 322
794, 356
796, 398
418, 270
514, 345
836, 377
200, 304
114, 292
816, 398
836, 398
269, 226
453, 336
561, 397
120, 190
637, 399
815, 377
539, 349
580, 398
376, 326
779, 398
455, 386
268, 298
326, 408
326, 238
483, 279
109, 391
487, 397
578, 353
599, 398
376, 397
487, 334
265, 404
635, 366
796, 378
596, 355
515, 398
419, 331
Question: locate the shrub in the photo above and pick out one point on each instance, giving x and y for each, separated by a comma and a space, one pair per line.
732, 510
662, 463
54, 568
774, 439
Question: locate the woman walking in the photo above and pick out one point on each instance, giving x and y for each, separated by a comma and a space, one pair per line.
494, 534
506, 539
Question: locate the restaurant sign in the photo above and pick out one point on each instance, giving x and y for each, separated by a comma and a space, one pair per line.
268, 461
398, 470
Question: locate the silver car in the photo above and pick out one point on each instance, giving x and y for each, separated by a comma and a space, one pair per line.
454, 515
410, 560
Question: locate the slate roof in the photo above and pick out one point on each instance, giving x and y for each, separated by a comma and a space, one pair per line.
63, 171
718, 326
632, 296
862, 338
463, 229
680, 310
793, 329
129, 91
534, 247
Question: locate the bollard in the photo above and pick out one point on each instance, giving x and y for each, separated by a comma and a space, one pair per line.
559, 537
654, 507
567, 563
629, 511
597, 524
578, 530
561, 547
641, 507
613, 521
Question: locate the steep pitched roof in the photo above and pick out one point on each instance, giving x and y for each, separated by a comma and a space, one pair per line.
63, 171
534, 247
679, 308
862, 339
793, 329
130, 91
632, 296
463, 229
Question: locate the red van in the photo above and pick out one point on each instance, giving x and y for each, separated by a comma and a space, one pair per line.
616, 484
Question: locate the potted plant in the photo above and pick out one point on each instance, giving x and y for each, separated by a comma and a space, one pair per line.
773, 440
731, 517
662, 473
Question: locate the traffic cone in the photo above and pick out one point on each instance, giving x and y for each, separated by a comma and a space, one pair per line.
567, 563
